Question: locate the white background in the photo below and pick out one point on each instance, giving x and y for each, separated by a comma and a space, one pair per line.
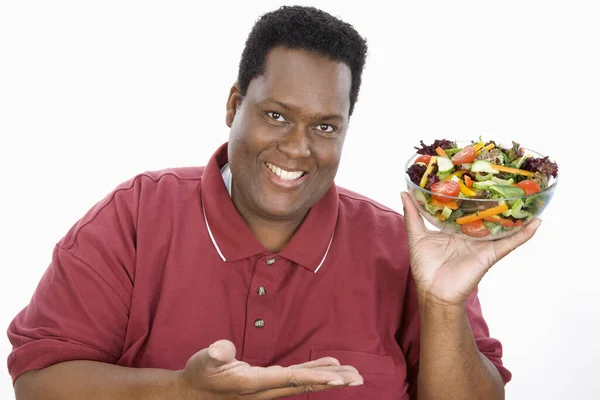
92, 93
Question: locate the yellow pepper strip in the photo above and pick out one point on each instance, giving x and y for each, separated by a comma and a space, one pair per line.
482, 214
432, 161
465, 190
479, 147
511, 170
488, 147
458, 174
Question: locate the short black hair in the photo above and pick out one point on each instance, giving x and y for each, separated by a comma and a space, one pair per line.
305, 28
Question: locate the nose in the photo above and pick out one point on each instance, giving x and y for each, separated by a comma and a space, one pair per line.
295, 144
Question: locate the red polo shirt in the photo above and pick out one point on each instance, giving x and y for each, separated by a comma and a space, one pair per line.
164, 266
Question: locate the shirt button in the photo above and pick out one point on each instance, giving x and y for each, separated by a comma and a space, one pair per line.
261, 291
270, 261
259, 323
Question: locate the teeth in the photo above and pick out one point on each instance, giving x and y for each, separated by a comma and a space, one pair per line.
283, 174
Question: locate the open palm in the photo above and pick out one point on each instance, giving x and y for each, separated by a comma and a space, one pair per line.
446, 268
215, 373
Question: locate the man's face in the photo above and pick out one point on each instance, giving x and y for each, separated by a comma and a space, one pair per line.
287, 134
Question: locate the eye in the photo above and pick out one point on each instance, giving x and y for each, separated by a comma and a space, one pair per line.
276, 116
326, 128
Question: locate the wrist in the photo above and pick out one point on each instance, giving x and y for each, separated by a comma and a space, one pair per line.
181, 389
430, 304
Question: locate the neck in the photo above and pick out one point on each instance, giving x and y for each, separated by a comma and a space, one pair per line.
274, 235
271, 233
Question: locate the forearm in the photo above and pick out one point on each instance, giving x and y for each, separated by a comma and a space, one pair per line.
450, 365
92, 380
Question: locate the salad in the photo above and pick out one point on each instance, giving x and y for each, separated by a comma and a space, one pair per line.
480, 188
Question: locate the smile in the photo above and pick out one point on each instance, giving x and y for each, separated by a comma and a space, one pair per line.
284, 174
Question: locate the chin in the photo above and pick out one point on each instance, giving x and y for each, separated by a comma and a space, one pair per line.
281, 211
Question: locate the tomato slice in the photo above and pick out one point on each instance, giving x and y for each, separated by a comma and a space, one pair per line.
465, 156
423, 158
529, 186
447, 188
475, 229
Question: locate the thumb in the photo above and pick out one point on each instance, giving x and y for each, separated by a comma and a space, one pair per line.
218, 354
412, 217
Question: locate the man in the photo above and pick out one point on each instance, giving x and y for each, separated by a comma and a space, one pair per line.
256, 277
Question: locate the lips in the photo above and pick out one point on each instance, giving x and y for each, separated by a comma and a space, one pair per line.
284, 174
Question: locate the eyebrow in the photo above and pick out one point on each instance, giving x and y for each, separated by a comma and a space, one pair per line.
315, 116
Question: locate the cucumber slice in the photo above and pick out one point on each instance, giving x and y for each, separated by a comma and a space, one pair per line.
483, 166
444, 164
506, 182
446, 212
480, 177
484, 185
444, 174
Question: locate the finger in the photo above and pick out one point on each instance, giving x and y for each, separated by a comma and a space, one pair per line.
506, 245
285, 392
337, 368
274, 378
412, 217
325, 361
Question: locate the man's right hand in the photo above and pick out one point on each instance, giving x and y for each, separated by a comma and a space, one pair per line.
215, 373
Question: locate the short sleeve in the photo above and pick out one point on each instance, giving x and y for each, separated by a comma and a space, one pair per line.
409, 337
80, 308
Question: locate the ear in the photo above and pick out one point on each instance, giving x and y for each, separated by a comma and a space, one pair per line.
233, 102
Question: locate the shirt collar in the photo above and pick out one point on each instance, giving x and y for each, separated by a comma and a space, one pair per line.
234, 240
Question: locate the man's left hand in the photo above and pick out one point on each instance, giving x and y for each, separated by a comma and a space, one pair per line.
446, 268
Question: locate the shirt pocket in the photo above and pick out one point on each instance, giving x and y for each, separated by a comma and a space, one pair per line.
378, 372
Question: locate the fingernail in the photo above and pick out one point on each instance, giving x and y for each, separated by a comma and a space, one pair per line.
335, 383
357, 383
213, 352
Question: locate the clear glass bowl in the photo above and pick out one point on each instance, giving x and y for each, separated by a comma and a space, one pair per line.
495, 228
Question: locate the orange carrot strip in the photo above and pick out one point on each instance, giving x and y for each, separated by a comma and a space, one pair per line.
468, 181
511, 170
482, 214
465, 190
451, 204
440, 152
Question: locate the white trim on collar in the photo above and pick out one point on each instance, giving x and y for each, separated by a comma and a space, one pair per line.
212, 238
326, 252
